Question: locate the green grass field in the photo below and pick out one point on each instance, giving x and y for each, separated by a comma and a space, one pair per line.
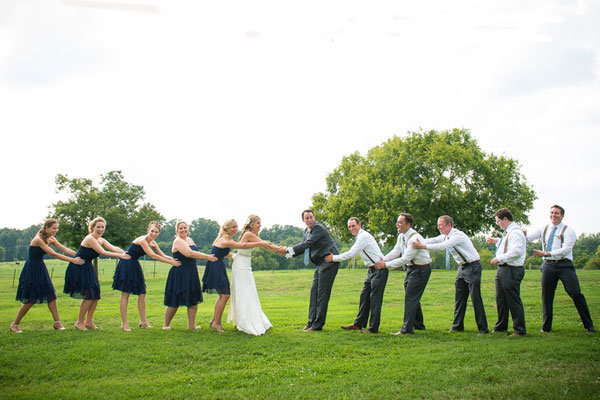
289, 363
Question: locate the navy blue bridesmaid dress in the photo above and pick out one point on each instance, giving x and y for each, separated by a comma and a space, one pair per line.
215, 275
183, 284
129, 276
81, 281
35, 285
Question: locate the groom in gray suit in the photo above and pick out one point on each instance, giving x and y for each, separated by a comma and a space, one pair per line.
316, 244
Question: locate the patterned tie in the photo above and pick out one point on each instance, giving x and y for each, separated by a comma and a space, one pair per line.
403, 245
306, 256
551, 239
448, 266
307, 251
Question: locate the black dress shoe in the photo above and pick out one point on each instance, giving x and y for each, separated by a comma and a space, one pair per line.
351, 327
486, 332
591, 330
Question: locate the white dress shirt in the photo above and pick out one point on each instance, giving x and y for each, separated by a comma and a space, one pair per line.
458, 243
365, 243
559, 250
403, 253
516, 248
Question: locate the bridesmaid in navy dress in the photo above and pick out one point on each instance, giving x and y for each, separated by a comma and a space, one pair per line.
81, 282
215, 275
183, 285
129, 277
35, 285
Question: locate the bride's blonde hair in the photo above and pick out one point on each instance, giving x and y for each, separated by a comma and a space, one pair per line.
223, 230
248, 224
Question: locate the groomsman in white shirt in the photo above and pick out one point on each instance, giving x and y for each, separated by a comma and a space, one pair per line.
510, 256
468, 277
371, 297
557, 251
418, 265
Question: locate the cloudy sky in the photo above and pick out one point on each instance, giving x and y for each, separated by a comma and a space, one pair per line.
221, 109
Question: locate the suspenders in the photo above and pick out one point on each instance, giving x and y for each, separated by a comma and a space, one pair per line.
561, 237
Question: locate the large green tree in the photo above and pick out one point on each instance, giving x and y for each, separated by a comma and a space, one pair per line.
427, 174
120, 203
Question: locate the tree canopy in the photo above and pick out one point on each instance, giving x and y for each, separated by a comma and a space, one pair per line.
120, 203
427, 174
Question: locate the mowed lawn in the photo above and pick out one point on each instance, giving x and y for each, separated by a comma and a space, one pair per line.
289, 363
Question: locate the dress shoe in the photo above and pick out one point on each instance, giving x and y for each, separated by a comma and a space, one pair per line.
452, 330
351, 327
306, 327
543, 331
367, 331
591, 330
499, 331
311, 329
483, 332
401, 333
515, 334
15, 329
58, 326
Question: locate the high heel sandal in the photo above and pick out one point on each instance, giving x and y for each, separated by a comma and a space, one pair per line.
145, 326
58, 326
15, 329
79, 328
128, 329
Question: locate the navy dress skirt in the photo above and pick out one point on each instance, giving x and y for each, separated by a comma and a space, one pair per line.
215, 275
35, 285
183, 284
129, 277
81, 281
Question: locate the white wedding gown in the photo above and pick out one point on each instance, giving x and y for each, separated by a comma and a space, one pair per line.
244, 306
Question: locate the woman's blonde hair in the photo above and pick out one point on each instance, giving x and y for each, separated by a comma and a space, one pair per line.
177, 226
223, 230
93, 223
50, 222
248, 224
156, 224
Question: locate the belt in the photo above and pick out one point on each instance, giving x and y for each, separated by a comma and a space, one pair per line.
469, 263
556, 261
418, 266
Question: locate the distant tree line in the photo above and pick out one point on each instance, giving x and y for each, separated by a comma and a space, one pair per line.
14, 245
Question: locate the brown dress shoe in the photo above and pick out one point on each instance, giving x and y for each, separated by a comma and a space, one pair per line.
366, 331
515, 334
351, 327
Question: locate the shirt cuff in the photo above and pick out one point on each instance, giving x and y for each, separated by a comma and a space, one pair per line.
289, 252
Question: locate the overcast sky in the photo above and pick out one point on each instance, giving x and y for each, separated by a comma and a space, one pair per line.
222, 109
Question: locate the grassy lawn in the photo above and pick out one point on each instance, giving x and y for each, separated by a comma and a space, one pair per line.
288, 363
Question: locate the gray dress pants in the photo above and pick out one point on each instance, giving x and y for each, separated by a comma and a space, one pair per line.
508, 298
468, 282
371, 299
414, 286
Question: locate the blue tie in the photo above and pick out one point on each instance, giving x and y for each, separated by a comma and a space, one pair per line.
306, 256
551, 239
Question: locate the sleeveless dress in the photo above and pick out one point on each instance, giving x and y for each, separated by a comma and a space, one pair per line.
129, 276
81, 281
35, 285
215, 278
183, 285
244, 307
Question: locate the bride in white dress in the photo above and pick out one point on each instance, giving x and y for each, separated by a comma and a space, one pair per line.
244, 307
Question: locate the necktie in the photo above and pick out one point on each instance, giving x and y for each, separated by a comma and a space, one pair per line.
447, 255
551, 239
403, 245
307, 251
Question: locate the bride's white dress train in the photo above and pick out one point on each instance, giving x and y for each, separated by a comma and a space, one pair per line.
244, 305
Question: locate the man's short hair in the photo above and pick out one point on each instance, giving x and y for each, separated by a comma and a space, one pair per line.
447, 220
307, 211
355, 220
562, 210
408, 218
504, 213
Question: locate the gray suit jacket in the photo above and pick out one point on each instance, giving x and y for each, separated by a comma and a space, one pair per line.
319, 241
